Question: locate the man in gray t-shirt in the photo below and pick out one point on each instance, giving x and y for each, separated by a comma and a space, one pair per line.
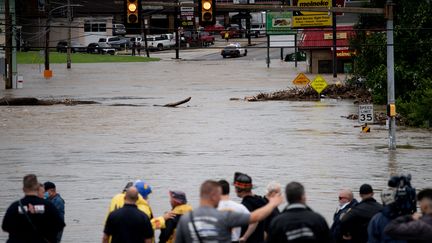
208, 225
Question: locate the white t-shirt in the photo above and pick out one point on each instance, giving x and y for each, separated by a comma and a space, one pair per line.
228, 205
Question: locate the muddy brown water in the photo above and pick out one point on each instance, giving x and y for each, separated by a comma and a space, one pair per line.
91, 151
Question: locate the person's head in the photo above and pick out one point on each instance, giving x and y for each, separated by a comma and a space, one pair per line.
41, 191
210, 193
295, 193
345, 196
424, 198
129, 184
242, 184
225, 187
366, 191
143, 188
177, 198
30, 184
273, 187
50, 189
131, 195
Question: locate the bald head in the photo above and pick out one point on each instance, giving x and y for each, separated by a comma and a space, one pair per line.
345, 196
131, 195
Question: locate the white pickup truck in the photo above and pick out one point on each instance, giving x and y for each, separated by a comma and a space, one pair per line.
161, 42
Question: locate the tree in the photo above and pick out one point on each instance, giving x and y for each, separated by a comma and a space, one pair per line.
413, 49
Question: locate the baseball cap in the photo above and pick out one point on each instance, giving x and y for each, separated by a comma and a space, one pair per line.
178, 196
143, 188
242, 181
366, 189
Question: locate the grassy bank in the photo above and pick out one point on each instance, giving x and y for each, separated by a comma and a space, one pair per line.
33, 57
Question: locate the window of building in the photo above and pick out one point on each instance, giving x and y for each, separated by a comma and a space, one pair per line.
90, 26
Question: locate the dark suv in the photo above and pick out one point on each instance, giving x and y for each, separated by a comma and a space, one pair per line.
75, 47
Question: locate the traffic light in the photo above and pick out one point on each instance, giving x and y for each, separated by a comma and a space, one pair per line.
207, 12
132, 12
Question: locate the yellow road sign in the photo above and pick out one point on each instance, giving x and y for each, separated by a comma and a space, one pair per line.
319, 84
301, 80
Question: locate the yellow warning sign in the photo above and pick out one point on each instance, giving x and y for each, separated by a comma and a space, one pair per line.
301, 80
319, 84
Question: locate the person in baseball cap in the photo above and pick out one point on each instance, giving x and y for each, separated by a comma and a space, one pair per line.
143, 188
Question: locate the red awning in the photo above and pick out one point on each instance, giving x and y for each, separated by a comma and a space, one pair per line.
323, 38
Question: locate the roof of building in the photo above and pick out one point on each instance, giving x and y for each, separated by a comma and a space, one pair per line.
323, 38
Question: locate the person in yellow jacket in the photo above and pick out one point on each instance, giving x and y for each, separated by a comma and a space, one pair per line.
144, 190
179, 206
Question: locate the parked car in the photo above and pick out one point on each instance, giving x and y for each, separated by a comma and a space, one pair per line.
234, 50
214, 28
102, 48
75, 46
257, 30
301, 57
160, 42
206, 38
119, 29
233, 32
117, 42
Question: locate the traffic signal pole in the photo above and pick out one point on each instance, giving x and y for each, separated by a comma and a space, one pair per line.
390, 76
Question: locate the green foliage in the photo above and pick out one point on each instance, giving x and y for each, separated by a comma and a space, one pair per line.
55, 57
412, 52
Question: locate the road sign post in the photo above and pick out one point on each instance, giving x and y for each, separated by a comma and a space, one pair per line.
366, 115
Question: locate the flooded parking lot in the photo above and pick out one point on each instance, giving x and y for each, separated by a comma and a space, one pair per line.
91, 151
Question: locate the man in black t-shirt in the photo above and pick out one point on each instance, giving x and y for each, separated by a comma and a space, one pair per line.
243, 188
32, 219
128, 224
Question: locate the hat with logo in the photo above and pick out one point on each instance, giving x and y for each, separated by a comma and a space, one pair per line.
178, 196
242, 181
365, 189
143, 188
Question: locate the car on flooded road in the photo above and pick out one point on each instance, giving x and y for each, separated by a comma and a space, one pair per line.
234, 50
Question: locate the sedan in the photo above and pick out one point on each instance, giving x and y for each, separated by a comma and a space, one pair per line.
100, 48
234, 50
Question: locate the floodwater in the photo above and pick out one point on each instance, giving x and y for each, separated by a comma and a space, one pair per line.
92, 151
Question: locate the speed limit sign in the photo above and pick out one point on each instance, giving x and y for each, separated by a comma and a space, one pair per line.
366, 114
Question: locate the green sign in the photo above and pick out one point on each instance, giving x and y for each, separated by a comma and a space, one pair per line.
279, 23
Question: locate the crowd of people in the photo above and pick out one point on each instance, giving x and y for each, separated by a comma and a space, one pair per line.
39, 216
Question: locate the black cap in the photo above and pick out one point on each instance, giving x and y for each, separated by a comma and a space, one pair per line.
242, 181
366, 189
49, 185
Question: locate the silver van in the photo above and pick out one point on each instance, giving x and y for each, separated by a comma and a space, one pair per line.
119, 29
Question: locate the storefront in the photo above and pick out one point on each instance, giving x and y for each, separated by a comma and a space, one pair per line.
318, 45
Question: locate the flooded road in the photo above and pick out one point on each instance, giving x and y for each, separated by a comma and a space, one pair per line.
91, 151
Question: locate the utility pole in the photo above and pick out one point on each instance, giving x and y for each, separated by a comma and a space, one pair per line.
176, 26
47, 71
144, 25
248, 23
390, 77
8, 51
334, 40
69, 16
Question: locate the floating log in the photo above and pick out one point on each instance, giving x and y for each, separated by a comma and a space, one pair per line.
175, 104
30, 101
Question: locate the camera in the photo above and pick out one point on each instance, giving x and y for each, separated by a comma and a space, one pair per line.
404, 194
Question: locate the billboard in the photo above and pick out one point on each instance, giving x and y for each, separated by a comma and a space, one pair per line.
279, 23
308, 19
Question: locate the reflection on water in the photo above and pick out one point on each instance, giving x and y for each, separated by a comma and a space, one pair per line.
91, 151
